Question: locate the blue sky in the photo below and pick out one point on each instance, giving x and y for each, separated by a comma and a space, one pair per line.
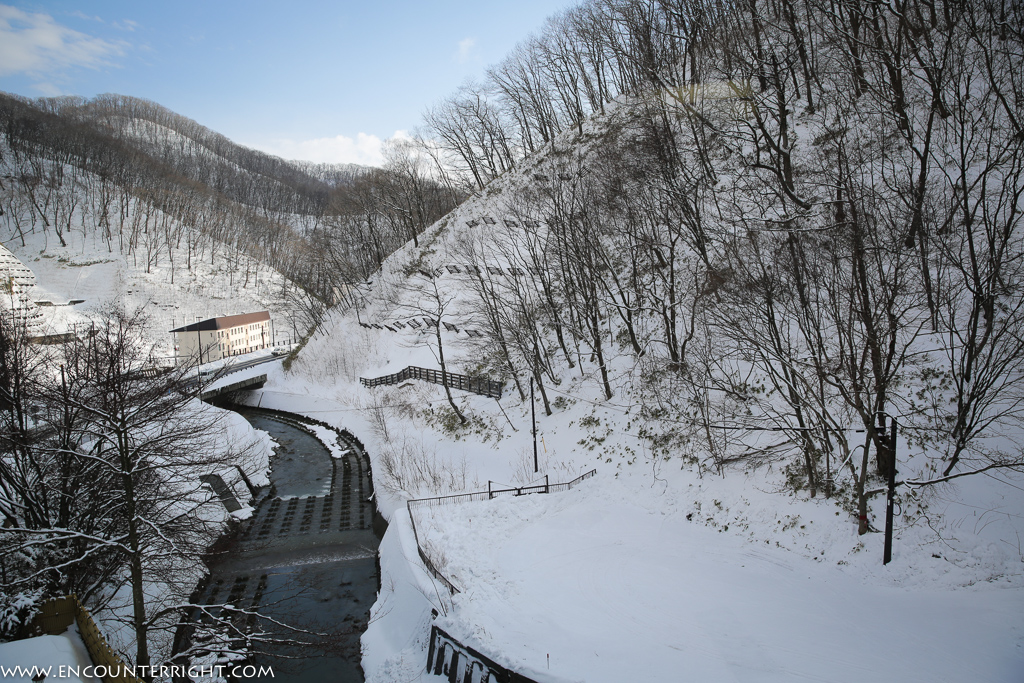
324, 81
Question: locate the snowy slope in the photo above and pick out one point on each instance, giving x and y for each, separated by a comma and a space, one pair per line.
656, 568
601, 584
86, 269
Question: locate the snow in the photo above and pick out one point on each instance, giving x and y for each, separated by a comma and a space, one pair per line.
654, 569
251, 450
58, 657
615, 587
329, 438
651, 571
394, 645
172, 294
647, 571
243, 513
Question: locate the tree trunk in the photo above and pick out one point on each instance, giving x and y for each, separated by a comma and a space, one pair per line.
444, 373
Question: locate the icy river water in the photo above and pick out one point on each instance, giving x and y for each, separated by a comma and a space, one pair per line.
308, 555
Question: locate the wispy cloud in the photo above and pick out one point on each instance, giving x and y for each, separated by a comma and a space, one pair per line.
467, 50
87, 17
47, 89
363, 149
35, 45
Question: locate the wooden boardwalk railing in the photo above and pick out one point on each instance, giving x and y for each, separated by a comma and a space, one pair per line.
476, 385
57, 614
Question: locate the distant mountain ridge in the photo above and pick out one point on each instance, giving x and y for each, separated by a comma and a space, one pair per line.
123, 165
191, 150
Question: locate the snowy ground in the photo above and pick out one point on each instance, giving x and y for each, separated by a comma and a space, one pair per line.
599, 585
647, 571
86, 269
54, 657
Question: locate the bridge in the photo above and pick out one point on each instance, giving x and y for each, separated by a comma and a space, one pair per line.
255, 382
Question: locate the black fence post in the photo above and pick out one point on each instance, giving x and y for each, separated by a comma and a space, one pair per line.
891, 494
433, 646
533, 417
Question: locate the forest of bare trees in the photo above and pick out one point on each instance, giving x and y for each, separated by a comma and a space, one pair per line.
795, 215
797, 219
156, 186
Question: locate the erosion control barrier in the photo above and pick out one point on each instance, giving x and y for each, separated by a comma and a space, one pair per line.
475, 385
57, 615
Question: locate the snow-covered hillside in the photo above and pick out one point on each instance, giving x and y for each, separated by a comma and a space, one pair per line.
661, 563
746, 262
171, 295
147, 259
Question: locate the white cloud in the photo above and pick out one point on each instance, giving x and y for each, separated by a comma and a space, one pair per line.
467, 50
47, 89
35, 45
364, 149
82, 15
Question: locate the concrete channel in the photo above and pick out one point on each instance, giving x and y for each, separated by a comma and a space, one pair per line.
307, 557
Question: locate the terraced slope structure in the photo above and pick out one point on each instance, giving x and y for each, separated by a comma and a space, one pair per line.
307, 556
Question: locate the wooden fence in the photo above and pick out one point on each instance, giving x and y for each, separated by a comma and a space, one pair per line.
476, 385
59, 613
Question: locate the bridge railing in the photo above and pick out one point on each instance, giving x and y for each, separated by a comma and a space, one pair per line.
448, 657
235, 386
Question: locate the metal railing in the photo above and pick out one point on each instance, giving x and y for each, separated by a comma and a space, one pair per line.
235, 386
428, 563
489, 494
448, 657
493, 492
475, 385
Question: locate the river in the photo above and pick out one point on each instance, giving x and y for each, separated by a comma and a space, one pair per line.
307, 557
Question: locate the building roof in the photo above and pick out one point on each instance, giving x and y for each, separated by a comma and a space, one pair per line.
225, 322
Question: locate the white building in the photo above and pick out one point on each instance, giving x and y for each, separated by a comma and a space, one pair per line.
230, 335
16, 281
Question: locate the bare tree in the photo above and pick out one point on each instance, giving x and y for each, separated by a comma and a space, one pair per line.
422, 296
117, 451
